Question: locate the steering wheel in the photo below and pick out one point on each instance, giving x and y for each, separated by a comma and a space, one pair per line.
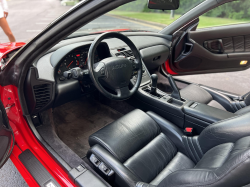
115, 72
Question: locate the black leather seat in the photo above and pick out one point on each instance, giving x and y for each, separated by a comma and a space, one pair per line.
143, 149
215, 99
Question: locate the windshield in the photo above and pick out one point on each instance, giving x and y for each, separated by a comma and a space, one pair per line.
136, 16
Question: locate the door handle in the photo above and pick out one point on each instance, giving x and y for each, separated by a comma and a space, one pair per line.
215, 46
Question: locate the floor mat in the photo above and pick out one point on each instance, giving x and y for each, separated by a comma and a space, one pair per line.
77, 120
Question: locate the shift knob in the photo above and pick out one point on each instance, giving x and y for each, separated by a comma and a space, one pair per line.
154, 79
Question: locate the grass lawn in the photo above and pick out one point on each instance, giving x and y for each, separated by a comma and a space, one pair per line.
164, 18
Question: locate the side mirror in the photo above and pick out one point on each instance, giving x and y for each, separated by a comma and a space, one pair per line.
163, 4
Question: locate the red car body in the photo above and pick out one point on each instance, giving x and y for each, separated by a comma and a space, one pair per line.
24, 137
6, 48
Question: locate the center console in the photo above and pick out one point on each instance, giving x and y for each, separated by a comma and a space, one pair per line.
199, 116
172, 107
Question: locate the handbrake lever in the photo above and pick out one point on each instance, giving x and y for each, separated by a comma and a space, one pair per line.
175, 94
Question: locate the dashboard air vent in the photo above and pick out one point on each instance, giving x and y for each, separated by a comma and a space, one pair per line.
127, 53
42, 94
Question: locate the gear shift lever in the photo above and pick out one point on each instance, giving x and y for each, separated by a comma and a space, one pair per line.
154, 79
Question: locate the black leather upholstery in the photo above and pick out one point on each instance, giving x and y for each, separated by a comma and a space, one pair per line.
126, 131
146, 165
224, 165
160, 155
215, 99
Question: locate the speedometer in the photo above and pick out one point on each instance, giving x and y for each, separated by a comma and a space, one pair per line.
68, 63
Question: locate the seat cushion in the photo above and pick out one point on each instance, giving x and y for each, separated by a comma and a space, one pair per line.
137, 142
148, 162
195, 93
124, 137
179, 162
215, 157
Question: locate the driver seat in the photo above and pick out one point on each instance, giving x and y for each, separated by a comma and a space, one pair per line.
145, 150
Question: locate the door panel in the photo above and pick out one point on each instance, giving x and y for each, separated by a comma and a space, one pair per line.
6, 136
217, 49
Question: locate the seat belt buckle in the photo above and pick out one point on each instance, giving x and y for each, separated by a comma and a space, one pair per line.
188, 131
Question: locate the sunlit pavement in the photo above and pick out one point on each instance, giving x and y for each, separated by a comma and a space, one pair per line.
27, 18
9, 176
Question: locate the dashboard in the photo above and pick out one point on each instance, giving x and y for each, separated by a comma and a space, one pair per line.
46, 87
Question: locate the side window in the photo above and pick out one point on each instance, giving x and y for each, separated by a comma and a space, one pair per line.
235, 12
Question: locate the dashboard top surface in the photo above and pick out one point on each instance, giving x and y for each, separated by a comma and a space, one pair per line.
48, 64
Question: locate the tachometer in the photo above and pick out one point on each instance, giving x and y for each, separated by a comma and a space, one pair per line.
68, 63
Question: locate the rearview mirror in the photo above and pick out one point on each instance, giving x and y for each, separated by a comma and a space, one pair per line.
163, 4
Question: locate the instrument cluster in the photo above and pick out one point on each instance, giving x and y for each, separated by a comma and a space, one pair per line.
77, 58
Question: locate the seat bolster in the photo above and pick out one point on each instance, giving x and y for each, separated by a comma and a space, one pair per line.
234, 172
123, 175
243, 110
189, 178
229, 130
125, 136
220, 98
170, 130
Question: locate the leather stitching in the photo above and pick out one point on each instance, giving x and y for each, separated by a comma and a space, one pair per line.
191, 141
188, 142
189, 151
198, 145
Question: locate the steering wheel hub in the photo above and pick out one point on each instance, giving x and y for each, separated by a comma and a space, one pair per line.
118, 72
115, 72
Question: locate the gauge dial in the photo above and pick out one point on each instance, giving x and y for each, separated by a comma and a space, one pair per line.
68, 63
83, 59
